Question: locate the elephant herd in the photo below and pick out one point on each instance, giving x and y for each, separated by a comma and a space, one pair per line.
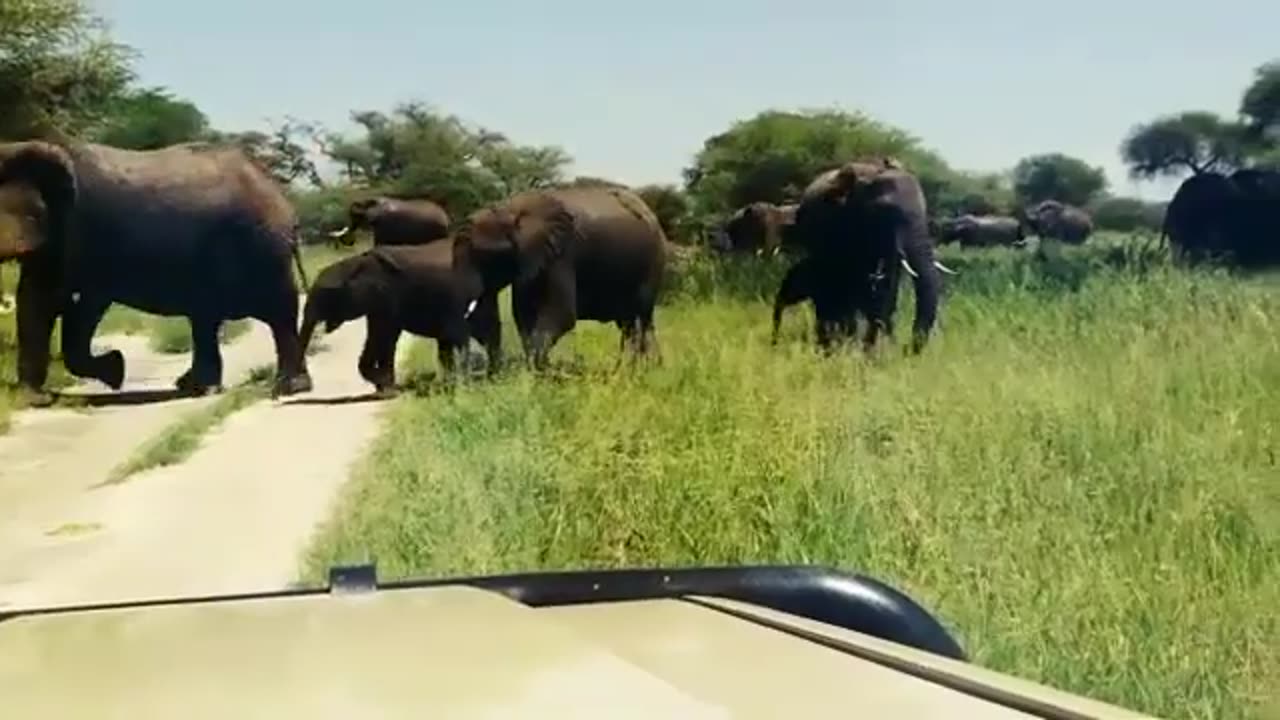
201, 231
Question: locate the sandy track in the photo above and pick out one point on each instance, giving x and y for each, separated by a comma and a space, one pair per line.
234, 517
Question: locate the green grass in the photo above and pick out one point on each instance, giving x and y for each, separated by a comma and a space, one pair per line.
177, 442
1079, 476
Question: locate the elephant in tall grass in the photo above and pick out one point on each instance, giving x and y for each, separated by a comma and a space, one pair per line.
1055, 220
1235, 218
861, 225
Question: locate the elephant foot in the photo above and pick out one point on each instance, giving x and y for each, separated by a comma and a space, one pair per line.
285, 386
189, 386
111, 369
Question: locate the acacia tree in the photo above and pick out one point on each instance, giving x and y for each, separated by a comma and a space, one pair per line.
59, 70
1195, 142
1055, 176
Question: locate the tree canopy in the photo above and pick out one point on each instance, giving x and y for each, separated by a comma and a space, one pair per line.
1055, 176
150, 118
59, 70
415, 150
1199, 141
1195, 141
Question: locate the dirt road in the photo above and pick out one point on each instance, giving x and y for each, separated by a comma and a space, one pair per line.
233, 517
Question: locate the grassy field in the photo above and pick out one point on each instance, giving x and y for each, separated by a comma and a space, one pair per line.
1079, 476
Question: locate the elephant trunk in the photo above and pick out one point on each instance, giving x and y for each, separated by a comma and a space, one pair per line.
918, 252
309, 320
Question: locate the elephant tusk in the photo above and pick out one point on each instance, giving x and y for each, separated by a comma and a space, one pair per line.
944, 268
471, 307
907, 266
340, 233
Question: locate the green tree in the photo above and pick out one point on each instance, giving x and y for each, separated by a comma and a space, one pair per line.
150, 118
279, 151
1054, 176
1260, 105
773, 156
1173, 145
672, 208
416, 151
59, 70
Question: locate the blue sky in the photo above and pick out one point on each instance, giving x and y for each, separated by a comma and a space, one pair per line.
631, 90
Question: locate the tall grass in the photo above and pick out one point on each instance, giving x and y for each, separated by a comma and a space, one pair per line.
1079, 476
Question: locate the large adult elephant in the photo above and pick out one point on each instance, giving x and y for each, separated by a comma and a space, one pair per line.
1056, 220
194, 230
1233, 218
570, 254
757, 227
401, 289
981, 231
862, 224
395, 221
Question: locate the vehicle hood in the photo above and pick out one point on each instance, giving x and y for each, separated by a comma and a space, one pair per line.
463, 652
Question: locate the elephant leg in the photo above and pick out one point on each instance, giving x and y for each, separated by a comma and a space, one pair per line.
546, 319
485, 325
205, 374
78, 326
37, 310
377, 359
292, 376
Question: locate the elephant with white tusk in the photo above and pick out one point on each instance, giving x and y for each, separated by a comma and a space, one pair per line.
395, 221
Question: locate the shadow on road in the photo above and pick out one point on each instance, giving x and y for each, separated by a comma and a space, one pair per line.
117, 399
340, 400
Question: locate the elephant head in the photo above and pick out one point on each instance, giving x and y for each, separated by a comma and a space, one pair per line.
760, 227
360, 214
38, 192
864, 220
345, 290
514, 242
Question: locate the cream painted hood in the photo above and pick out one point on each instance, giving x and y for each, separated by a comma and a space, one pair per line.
455, 651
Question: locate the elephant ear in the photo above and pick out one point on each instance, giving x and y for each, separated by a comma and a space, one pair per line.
47, 168
543, 235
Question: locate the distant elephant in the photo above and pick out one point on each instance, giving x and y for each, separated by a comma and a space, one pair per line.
1233, 218
397, 289
395, 221
981, 231
194, 230
756, 228
1058, 221
580, 253
861, 225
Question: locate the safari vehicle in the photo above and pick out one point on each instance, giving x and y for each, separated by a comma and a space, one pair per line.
756, 642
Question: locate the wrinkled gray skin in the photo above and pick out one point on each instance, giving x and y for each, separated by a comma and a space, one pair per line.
758, 228
981, 231
570, 254
395, 221
193, 230
1054, 220
861, 226
401, 289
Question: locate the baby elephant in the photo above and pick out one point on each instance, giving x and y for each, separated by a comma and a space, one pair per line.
409, 288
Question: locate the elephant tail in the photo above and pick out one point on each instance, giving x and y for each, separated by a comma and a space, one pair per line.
295, 247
